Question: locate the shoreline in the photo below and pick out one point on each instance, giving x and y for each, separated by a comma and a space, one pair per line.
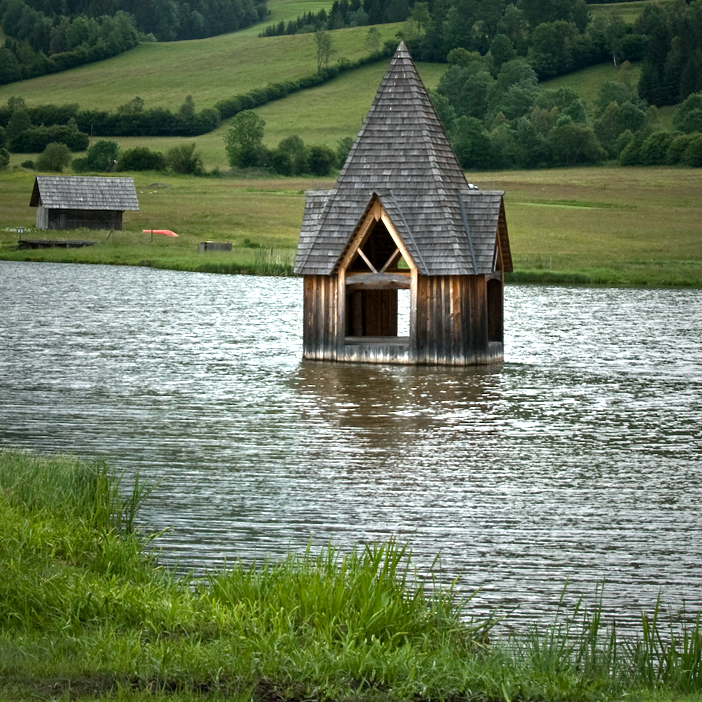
269, 263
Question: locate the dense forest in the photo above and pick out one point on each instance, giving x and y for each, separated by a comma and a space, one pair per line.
45, 36
554, 36
490, 100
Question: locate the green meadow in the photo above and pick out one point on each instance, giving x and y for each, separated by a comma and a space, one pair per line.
88, 613
164, 74
621, 226
321, 115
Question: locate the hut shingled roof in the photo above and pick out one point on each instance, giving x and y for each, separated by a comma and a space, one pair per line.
84, 193
403, 157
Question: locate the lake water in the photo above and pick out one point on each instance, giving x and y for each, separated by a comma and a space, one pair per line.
579, 459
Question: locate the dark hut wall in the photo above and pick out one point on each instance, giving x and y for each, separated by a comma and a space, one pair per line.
89, 219
452, 321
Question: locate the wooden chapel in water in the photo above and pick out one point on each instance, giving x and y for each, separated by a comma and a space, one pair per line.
402, 217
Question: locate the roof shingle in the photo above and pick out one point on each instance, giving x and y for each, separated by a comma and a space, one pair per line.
84, 193
403, 155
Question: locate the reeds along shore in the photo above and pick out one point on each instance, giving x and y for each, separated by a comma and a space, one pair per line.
86, 612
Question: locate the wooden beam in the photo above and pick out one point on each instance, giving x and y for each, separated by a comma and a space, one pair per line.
393, 259
367, 260
378, 281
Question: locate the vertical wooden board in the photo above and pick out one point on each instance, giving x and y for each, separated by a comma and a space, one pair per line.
319, 318
427, 312
333, 316
412, 355
436, 318
446, 319
307, 313
456, 326
481, 328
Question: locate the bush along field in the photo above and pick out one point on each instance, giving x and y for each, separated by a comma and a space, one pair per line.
88, 613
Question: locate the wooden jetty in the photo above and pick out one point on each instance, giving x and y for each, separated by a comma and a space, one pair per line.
402, 216
54, 243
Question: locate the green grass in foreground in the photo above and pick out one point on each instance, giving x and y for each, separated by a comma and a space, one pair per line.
611, 226
87, 614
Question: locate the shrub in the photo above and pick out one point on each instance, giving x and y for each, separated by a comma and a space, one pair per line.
630, 155
677, 148
4, 158
321, 160
343, 150
54, 158
141, 159
688, 115
101, 156
692, 155
654, 150
184, 159
572, 143
243, 141
37, 138
290, 158
29, 165
471, 143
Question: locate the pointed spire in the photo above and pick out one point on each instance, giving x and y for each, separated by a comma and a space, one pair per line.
401, 150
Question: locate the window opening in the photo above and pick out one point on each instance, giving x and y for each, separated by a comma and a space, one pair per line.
377, 308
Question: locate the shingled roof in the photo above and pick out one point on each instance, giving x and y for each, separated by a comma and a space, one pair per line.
403, 157
84, 193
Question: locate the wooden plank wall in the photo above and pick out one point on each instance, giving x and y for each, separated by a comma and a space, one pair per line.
320, 314
452, 321
451, 327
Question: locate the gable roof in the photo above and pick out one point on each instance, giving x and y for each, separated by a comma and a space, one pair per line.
84, 193
403, 156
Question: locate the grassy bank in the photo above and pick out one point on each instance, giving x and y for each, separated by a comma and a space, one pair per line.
87, 615
611, 226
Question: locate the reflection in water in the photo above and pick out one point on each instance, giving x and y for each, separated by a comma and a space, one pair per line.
579, 459
390, 403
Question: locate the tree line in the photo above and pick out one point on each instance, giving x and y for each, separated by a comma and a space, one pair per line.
37, 44
554, 36
502, 118
45, 36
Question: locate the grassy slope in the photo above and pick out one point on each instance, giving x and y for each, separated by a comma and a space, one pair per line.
588, 80
609, 225
321, 115
163, 74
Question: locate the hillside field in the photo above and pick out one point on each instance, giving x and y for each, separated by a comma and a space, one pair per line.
633, 226
164, 74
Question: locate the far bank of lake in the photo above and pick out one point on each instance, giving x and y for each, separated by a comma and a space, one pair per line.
595, 226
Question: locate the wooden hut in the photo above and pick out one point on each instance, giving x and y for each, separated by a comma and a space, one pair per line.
72, 202
403, 217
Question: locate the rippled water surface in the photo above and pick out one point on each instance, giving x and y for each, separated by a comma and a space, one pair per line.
579, 459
